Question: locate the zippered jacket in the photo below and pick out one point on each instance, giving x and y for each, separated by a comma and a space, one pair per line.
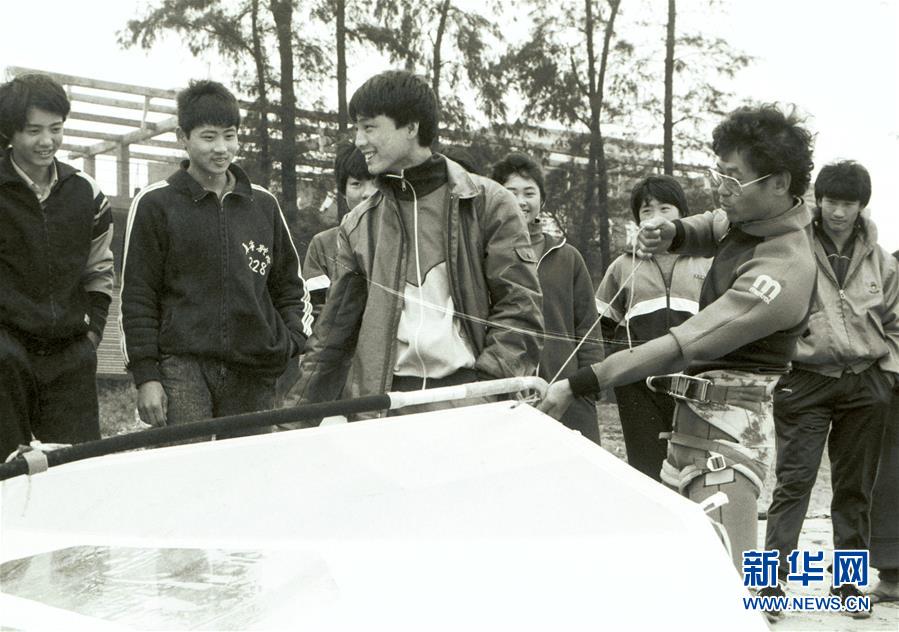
56, 267
492, 277
758, 292
212, 279
568, 310
647, 304
853, 326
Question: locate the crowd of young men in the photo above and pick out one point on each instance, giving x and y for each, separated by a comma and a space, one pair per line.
783, 334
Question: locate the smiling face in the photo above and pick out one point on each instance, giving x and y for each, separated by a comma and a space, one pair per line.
34, 146
358, 190
527, 193
754, 200
386, 147
211, 149
652, 208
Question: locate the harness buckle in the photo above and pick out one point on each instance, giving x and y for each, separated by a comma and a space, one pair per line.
681, 386
715, 462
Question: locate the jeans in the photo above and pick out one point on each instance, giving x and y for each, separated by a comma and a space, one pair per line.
201, 388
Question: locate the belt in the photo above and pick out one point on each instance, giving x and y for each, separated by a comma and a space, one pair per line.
699, 389
720, 455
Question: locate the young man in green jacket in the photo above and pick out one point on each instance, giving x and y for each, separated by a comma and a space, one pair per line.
846, 364
436, 280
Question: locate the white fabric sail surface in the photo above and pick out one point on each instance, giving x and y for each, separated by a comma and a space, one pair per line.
488, 517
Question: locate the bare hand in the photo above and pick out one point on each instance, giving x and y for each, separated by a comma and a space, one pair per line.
557, 399
152, 403
655, 236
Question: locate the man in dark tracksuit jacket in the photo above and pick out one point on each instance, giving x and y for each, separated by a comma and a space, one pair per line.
843, 374
56, 274
753, 307
213, 303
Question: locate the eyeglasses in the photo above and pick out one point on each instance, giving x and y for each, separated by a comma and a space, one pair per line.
731, 184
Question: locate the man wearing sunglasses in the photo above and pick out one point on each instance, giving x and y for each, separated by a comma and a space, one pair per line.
753, 308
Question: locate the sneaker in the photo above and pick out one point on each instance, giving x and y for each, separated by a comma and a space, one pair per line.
851, 590
773, 591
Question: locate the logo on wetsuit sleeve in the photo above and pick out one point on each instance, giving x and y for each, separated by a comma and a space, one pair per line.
765, 288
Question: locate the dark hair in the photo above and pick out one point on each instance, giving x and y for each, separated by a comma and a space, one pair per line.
464, 157
845, 180
349, 162
770, 142
206, 102
28, 91
662, 188
520, 164
402, 96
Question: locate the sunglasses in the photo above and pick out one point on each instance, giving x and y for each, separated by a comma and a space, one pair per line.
731, 184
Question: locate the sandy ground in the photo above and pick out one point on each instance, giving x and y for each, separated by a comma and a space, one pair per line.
816, 534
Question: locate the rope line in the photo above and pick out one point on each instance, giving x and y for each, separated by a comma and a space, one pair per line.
579, 341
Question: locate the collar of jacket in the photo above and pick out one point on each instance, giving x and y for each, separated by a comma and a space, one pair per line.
186, 183
551, 243
797, 217
866, 229
459, 183
8, 172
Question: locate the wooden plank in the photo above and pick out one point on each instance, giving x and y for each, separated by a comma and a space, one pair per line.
90, 166
135, 137
99, 84
156, 142
123, 171
77, 115
167, 158
158, 157
86, 133
96, 99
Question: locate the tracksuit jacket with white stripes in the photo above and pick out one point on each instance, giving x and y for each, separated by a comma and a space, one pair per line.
56, 268
636, 295
208, 278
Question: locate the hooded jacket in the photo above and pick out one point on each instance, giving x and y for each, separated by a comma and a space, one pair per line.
214, 279
492, 278
856, 325
570, 317
568, 310
757, 295
56, 267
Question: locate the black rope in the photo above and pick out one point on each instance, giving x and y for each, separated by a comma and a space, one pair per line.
155, 436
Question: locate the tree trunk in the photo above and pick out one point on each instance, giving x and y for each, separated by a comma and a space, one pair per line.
282, 12
602, 175
438, 43
265, 156
584, 229
668, 125
342, 115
